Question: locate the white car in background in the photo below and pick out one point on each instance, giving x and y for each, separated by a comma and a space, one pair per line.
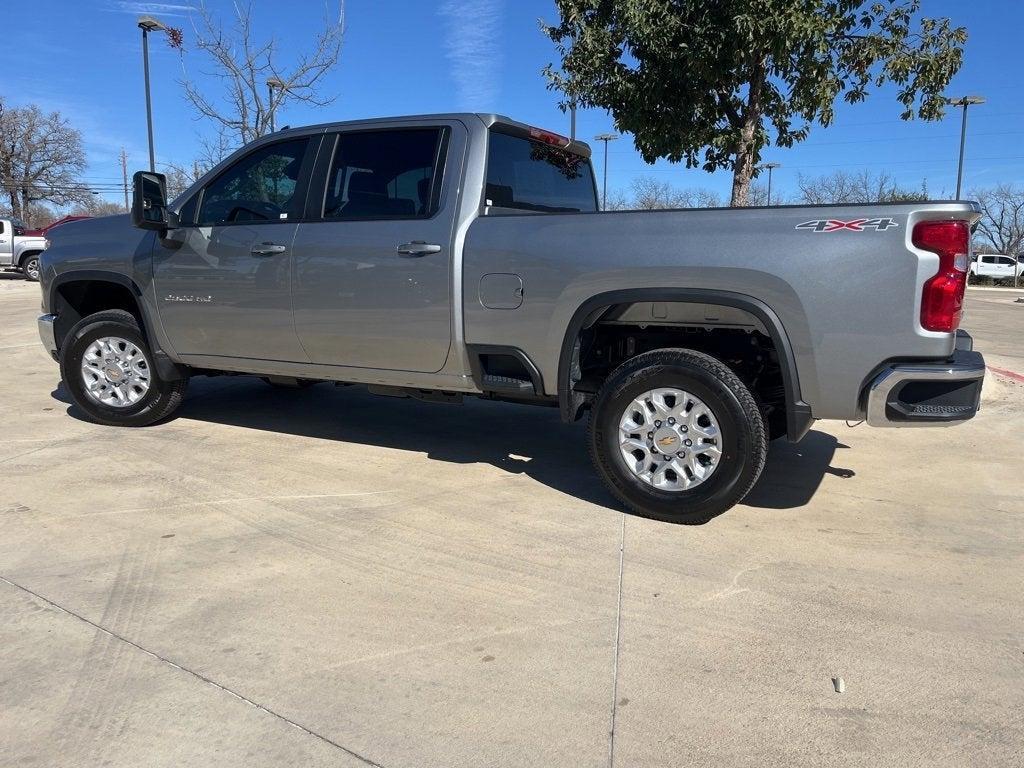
995, 265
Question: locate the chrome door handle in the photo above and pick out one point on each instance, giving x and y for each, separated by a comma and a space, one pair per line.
418, 248
267, 249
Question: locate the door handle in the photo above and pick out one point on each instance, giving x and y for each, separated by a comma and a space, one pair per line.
267, 249
418, 248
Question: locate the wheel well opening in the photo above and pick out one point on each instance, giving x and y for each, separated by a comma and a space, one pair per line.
77, 299
733, 336
27, 255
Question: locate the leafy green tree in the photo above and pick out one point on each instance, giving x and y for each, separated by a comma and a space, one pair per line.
713, 83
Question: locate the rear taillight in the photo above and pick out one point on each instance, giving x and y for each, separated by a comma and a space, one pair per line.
943, 297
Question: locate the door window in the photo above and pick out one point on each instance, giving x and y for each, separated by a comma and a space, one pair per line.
388, 174
262, 186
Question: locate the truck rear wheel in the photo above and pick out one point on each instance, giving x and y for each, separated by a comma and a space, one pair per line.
108, 369
676, 436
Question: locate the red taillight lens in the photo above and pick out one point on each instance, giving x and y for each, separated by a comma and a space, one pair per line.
943, 297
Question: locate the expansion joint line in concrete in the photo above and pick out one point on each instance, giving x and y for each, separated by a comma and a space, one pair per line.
186, 670
615, 656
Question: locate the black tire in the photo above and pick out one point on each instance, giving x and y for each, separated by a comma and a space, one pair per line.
162, 398
743, 442
30, 267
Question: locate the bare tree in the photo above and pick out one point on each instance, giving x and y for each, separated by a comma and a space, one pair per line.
181, 177
860, 187
97, 206
245, 109
41, 157
1001, 226
758, 195
36, 215
618, 201
651, 194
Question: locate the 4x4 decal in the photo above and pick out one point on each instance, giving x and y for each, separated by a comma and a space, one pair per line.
854, 225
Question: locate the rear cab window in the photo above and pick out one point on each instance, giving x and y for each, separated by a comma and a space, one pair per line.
391, 173
537, 174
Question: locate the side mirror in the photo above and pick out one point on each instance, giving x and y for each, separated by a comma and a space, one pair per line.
149, 200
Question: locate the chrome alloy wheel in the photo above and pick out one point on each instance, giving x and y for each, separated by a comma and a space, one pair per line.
670, 439
115, 372
32, 268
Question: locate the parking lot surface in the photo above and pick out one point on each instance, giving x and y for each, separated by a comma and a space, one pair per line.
326, 578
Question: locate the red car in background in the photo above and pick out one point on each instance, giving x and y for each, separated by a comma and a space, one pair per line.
63, 220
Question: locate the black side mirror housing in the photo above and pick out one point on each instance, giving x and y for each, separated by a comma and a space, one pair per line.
149, 200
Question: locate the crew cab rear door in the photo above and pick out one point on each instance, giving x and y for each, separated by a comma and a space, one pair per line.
373, 255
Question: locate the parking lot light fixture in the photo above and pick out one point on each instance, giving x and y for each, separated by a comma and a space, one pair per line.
770, 167
148, 24
605, 137
272, 83
963, 101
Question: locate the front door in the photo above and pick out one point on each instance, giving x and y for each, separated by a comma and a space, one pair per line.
223, 281
372, 259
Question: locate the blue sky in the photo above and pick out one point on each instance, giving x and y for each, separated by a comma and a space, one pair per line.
83, 57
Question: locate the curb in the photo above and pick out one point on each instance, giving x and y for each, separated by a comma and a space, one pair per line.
1008, 374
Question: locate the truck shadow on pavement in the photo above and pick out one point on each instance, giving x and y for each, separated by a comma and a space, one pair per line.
518, 439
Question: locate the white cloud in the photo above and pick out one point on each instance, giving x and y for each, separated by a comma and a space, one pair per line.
161, 9
471, 30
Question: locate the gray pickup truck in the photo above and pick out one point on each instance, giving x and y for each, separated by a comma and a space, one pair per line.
442, 256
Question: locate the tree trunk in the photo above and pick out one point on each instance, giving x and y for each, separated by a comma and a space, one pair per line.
746, 147
742, 173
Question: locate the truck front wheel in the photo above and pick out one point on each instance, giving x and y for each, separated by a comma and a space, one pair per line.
30, 267
676, 436
107, 367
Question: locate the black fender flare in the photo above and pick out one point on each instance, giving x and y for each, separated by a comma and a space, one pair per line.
166, 367
798, 413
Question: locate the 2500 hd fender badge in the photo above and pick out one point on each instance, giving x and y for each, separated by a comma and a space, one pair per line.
854, 225
188, 299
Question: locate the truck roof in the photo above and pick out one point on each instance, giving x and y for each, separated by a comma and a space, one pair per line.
489, 119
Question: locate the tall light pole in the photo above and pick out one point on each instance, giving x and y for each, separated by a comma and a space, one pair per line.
605, 137
272, 83
964, 102
770, 167
148, 24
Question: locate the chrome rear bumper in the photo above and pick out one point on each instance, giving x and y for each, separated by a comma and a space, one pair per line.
928, 394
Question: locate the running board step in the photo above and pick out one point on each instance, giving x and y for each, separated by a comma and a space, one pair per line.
506, 383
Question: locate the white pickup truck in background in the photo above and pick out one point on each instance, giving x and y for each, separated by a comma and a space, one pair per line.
995, 265
19, 251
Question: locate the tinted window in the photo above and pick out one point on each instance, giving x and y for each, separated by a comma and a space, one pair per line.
1, 227
383, 175
262, 186
534, 176
187, 214
1004, 260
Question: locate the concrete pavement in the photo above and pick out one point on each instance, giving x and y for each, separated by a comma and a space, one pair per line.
323, 577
